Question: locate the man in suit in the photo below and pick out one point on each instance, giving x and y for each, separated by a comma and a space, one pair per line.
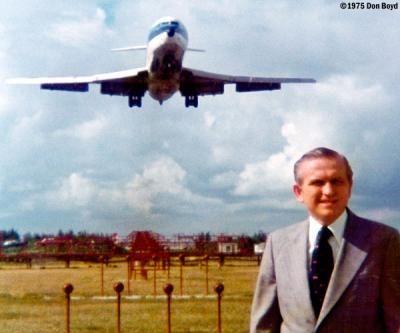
333, 273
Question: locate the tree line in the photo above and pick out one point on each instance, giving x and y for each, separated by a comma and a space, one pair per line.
203, 241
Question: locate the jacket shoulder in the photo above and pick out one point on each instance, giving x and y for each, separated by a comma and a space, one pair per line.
366, 233
289, 234
290, 229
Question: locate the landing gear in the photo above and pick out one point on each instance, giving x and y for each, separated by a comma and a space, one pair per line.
135, 101
192, 100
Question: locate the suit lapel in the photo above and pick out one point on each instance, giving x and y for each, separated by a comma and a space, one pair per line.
297, 264
350, 257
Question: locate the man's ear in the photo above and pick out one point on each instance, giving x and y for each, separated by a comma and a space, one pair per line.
297, 192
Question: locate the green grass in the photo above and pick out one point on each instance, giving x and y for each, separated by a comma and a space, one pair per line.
32, 300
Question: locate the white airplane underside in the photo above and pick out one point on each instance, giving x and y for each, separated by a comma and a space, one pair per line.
163, 74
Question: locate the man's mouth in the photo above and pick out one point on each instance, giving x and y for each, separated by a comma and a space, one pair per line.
328, 203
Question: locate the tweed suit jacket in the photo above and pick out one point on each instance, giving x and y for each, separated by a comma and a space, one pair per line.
363, 294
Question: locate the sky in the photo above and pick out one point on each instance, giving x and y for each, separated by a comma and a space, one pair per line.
86, 161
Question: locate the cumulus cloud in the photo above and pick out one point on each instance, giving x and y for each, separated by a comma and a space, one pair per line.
74, 191
27, 129
86, 130
331, 119
79, 31
224, 180
159, 187
268, 175
163, 176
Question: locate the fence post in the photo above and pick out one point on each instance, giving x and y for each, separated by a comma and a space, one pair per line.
101, 259
206, 258
221, 261
129, 273
219, 288
168, 289
118, 287
182, 263
155, 259
68, 288
168, 267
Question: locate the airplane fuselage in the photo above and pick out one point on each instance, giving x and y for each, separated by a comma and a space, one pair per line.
166, 47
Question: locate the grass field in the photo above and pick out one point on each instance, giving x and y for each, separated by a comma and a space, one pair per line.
32, 300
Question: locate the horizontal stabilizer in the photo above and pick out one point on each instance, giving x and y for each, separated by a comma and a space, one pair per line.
130, 48
195, 50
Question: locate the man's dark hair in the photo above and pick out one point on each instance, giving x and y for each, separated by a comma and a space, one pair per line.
318, 153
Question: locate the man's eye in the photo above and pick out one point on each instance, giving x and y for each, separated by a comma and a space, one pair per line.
317, 183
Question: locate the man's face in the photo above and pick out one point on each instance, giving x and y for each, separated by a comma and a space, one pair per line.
324, 189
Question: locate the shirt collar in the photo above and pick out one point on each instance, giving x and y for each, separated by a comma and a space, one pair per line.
337, 228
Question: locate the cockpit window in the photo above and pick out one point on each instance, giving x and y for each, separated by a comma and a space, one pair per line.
167, 25
172, 23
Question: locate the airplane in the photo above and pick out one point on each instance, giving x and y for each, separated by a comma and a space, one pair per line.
163, 74
12, 243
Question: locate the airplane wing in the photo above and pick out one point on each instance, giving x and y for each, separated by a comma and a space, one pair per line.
195, 82
123, 83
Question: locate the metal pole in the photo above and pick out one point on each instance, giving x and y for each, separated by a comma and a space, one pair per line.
68, 288
219, 288
118, 287
168, 289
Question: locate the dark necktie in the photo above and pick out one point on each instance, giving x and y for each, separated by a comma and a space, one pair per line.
321, 269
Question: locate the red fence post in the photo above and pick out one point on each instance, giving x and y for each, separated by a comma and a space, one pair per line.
68, 288
118, 287
206, 258
155, 259
129, 273
168, 267
101, 259
182, 263
168, 289
219, 288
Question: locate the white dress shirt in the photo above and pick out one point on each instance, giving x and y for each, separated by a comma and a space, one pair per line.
337, 229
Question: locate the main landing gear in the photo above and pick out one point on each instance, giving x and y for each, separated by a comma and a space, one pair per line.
135, 101
192, 100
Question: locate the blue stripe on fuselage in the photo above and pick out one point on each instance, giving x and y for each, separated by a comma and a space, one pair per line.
166, 27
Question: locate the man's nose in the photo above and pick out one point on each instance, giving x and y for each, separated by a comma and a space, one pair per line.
328, 189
